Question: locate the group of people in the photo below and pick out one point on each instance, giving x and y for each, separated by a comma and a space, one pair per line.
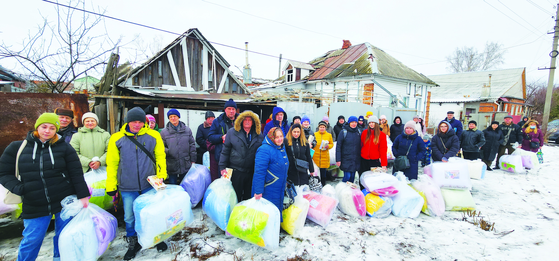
263, 157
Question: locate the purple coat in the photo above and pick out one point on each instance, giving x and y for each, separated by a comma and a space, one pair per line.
531, 136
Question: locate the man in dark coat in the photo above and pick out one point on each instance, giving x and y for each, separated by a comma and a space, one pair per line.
217, 135
493, 139
180, 147
279, 119
471, 142
455, 124
445, 143
348, 150
202, 135
397, 128
66, 118
513, 134
339, 125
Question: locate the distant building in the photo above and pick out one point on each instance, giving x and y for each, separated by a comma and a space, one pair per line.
85, 83
10, 82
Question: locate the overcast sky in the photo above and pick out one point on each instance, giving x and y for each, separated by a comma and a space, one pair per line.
421, 34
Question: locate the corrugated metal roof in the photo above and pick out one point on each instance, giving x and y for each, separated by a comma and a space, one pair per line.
469, 85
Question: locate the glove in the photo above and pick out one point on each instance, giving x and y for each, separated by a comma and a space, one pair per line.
112, 193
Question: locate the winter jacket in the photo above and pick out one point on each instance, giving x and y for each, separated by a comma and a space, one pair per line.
48, 173
372, 151
416, 147
270, 172
180, 148
339, 127
201, 136
418, 129
67, 133
329, 130
238, 153
515, 133
451, 144
532, 136
361, 127
472, 140
308, 132
273, 123
456, 125
300, 152
396, 129
322, 157
348, 149
90, 143
220, 127
385, 128
128, 166
493, 139
427, 156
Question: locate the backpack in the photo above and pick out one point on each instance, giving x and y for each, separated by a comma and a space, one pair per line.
345, 132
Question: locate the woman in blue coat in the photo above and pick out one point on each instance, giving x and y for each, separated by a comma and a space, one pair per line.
410, 144
348, 149
445, 143
270, 169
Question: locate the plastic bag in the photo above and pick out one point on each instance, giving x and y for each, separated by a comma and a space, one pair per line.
4, 208
196, 182
295, 215
385, 192
96, 182
458, 199
88, 234
206, 159
407, 203
332, 154
511, 163
377, 206
451, 174
328, 190
432, 193
377, 180
530, 159
321, 208
389, 154
476, 169
351, 200
219, 200
161, 214
256, 222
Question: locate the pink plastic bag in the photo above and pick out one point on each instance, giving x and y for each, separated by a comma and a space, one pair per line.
385, 192
321, 208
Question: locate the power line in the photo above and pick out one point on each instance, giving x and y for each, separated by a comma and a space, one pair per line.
539, 7
518, 15
509, 17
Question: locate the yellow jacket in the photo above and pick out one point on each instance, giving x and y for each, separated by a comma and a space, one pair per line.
322, 157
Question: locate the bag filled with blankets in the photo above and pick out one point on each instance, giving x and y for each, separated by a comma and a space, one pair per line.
432, 193
96, 182
295, 215
377, 206
196, 182
257, 222
529, 159
458, 199
321, 208
219, 201
452, 174
352, 200
377, 180
511, 163
407, 203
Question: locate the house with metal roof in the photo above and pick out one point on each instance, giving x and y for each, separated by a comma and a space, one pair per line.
10, 82
85, 83
487, 92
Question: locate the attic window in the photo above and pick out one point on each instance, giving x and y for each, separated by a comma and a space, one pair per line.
290, 75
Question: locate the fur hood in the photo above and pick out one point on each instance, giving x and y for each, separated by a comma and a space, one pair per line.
255, 121
528, 124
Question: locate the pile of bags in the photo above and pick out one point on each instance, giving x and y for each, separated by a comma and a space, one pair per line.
454, 180
379, 183
256, 222
196, 182
518, 160
96, 182
295, 215
161, 214
431, 193
219, 200
88, 234
407, 202
351, 199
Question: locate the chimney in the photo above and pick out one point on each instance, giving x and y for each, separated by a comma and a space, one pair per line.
346, 45
486, 90
247, 74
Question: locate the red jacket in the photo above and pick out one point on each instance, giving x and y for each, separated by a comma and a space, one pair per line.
372, 151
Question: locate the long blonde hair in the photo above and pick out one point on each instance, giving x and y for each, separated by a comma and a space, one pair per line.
375, 131
302, 138
51, 141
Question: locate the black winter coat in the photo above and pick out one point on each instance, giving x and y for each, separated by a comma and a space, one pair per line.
493, 139
472, 140
67, 133
515, 133
339, 127
237, 153
303, 153
348, 149
396, 129
416, 147
451, 142
201, 137
48, 173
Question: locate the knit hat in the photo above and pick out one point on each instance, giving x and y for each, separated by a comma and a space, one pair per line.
410, 124
341, 117
64, 112
173, 112
306, 118
373, 118
230, 103
150, 117
361, 118
416, 117
209, 114
323, 123
508, 116
296, 126
383, 117
48, 118
325, 118
90, 115
352, 118
494, 122
296, 117
426, 137
369, 113
472, 121
449, 112
136, 114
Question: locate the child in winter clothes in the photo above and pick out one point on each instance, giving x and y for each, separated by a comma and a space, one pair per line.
427, 157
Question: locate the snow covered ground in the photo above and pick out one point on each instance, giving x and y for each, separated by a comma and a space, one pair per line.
524, 208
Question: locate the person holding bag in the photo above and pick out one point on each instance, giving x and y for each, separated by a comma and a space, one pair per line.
408, 146
43, 169
445, 143
348, 148
324, 143
532, 136
299, 155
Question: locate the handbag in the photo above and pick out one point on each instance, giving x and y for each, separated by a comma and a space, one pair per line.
314, 184
289, 194
12, 198
534, 145
402, 162
302, 165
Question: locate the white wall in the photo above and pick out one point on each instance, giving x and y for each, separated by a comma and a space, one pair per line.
437, 112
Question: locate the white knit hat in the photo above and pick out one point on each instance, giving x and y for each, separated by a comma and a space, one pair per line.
90, 115
373, 119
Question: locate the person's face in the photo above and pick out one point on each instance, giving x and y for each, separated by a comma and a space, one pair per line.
152, 125
278, 138
360, 122
230, 112
64, 121
472, 126
90, 123
46, 131
341, 121
372, 125
383, 121
135, 126
353, 124
279, 116
532, 124
296, 133
174, 119
508, 121
494, 126
409, 130
416, 119
297, 121
247, 123
306, 124
322, 128
443, 128
449, 115
398, 121
210, 120
425, 141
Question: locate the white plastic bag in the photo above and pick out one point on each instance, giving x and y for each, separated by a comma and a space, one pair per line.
407, 203
328, 190
432, 192
377, 180
458, 199
332, 154
389, 154
321, 208
452, 174
96, 182
476, 169
256, 222
4, 208
196, 182
295, 215
161, 214
511, 163
219, 201
529, 159
351, 200
206, 159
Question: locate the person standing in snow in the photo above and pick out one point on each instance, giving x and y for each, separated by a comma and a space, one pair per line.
49, 171
445, 143
66, 118
396, 129
410, 145
418, 127
532, 136
348, 149
471, 142
296, 119
384, 125
373, 147
217, 135
180, 147
297, 148
306, 123
328, 127
522, 122
455, 124
339, 125
493, 139
279, 119
427, 156
90, 142
321, 155
152, 123
361, 123
513, 137
202, 136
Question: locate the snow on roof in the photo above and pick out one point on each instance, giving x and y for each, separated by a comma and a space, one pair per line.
297, 64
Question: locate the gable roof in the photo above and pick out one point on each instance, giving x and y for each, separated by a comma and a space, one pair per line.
467, 86
355, 61
8, 75
297, 64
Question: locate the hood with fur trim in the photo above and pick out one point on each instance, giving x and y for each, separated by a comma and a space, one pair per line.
527, 124
255, 121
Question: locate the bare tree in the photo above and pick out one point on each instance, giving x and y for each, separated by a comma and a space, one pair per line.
62, 51
535, 96
469, 59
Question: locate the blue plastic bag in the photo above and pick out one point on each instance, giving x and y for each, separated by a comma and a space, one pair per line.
219, 200
196, 182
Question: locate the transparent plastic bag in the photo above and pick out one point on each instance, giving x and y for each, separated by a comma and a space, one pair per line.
321, 208
295, 215
407, 203
452, 174
458, 199
196, 182
377, 180
328, 190
219, 200
511, 163
206, 159
377, 206
5, 208
256, 222
476, 168
432, 192
89, 234
161, 214
529, 159
96, 182
351, 200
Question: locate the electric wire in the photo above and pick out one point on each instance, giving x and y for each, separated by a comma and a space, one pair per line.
519, 16
509, 17
539, 7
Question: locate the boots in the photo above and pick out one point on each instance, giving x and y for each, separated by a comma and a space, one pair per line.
133, 248
161, 247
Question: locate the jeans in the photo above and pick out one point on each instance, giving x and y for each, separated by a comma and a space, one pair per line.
34, 234
128, 198
349, 176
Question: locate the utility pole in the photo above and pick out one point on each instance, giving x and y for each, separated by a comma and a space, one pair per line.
279, 69
553, 54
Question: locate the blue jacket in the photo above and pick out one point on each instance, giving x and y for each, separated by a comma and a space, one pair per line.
416, 152
273, 123
220, 127
270, 172
456, 125
348, 149
451, 143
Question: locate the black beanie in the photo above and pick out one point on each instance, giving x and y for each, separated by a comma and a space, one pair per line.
136, 114
472, 121
494, 122
230, 103
210, 114
341, 117
296, 117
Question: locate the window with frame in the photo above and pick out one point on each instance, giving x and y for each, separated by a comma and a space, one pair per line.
289, 75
